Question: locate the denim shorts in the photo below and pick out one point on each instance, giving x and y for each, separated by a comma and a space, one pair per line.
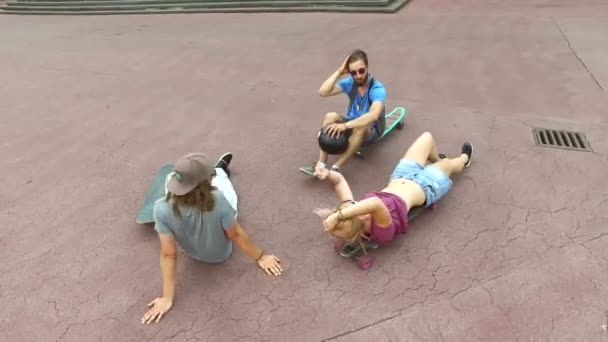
433, 181
371, 137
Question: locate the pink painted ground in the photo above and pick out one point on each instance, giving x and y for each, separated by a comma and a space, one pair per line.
92, 106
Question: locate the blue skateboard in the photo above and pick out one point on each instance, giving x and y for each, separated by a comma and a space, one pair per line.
359, 252
155, 191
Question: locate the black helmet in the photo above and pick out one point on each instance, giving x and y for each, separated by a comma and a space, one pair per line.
337, 145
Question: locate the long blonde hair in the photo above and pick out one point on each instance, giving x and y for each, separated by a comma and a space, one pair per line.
200, 198
350, 229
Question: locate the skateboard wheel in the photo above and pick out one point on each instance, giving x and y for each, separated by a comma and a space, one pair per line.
338, 244
400, 125
365, 261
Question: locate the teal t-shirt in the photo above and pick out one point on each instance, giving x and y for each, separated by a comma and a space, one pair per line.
200, 234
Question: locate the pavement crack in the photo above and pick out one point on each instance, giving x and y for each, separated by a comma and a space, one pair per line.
515, 330
459, 292
399, 313
67, 329
54, 303
576, 55
477, 236
441, 335
414, 333
595, 238
493, 123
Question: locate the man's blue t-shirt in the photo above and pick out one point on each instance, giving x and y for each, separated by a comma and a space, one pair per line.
361, 104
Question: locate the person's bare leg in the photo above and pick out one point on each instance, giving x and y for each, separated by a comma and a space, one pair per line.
330, 118
453, 166
355, 140
423, 150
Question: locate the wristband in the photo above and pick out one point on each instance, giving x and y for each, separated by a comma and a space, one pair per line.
344, 202
260, 257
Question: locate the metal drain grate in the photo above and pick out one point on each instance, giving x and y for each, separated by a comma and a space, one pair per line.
567, 140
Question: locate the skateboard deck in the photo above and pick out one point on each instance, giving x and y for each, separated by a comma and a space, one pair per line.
394, 119
155, 191
360, 254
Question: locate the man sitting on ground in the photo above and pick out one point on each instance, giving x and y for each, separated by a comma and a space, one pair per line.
364, 114
199, 212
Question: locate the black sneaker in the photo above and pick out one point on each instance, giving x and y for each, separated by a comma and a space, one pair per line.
467, 148
224, 162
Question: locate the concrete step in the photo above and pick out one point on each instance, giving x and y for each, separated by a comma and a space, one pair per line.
198, 6
210, 4
328, 9
50, 2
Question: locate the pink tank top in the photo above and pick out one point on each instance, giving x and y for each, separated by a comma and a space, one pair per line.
398, 210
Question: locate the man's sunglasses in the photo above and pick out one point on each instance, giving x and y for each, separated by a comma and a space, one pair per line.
361, 71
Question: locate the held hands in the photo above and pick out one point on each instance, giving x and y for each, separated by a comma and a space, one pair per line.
320, 172
270, 264
160, 306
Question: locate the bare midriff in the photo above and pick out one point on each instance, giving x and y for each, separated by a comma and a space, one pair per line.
408, 190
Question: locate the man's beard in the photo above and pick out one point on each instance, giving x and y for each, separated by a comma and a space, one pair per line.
361, 82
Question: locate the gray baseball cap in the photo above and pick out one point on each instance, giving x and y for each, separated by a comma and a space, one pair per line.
189, 171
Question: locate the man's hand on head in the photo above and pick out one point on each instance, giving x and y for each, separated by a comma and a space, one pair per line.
344, 67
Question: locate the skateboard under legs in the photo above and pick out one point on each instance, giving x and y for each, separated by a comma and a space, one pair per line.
156, 190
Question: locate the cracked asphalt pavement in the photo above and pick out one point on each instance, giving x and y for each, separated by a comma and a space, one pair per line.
93, 105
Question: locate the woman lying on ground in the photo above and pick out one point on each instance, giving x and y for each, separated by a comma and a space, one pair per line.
420, 178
